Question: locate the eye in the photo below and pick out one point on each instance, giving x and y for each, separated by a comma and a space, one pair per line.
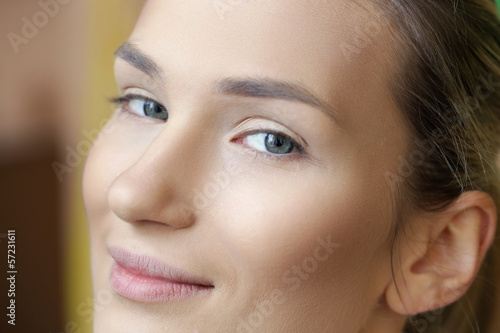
148, 108
271, 144
142, 106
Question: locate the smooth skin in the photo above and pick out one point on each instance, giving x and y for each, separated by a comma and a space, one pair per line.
292, 242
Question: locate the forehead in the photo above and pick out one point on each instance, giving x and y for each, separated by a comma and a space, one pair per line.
309, 40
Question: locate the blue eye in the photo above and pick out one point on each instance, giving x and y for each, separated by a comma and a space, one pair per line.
269, 142
272, 144
143, 106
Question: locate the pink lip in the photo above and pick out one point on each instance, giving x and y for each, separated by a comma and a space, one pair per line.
145, 279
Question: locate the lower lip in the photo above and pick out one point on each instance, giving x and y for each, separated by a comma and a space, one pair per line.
148, 289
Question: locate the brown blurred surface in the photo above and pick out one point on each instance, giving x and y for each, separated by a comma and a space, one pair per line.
40, 110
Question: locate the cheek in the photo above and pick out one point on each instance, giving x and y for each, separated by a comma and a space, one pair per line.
331, 228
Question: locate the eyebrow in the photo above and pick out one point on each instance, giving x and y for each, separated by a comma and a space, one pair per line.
134, 56
269, 88
245, 87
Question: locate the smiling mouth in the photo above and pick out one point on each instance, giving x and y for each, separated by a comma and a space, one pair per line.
145, 279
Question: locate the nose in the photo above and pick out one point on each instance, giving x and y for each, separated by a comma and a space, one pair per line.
158, 186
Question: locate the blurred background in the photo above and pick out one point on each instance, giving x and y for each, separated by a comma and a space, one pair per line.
56, 71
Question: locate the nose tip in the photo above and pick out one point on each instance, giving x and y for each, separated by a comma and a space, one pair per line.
135, 200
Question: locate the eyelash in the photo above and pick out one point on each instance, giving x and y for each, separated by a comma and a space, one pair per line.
121, 101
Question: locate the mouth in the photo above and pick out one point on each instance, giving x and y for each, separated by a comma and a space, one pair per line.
145, 279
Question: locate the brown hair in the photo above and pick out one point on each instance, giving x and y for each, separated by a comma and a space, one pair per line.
449, 90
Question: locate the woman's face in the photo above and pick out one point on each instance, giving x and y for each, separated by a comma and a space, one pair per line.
251, 154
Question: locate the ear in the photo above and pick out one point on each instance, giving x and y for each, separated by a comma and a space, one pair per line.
438, 265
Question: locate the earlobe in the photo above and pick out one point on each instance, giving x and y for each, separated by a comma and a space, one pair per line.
451, 247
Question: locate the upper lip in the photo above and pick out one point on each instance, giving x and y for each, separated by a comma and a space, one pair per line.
152, 267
